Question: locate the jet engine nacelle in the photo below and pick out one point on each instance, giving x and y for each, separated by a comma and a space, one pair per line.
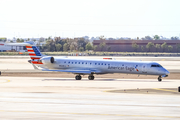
47, 60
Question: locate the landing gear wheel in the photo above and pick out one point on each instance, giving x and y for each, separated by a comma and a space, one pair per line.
78, 77
91, 77
159, 79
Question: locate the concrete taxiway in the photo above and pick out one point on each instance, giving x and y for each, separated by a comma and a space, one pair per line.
64, 98
26, 94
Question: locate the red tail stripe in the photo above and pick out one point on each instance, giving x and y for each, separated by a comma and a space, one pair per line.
32, 54
36, 62
28, 46
35, 58
30, 50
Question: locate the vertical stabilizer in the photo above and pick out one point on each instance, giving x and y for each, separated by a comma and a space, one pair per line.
34, 53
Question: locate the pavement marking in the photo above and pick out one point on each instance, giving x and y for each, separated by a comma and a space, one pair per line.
126, 115
164, 90
159, 89
6, 81
91, 104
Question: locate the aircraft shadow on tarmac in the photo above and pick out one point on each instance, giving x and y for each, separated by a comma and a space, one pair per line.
126, 80
78, 80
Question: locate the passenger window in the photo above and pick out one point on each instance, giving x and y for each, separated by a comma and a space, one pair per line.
69, 62
82, 62
86, 62
72, 62
153, 66
75, 62
95, 63
98, 63
101, 63
79, 62
90, 63
104, 63
64, 61
109, 64
156, 66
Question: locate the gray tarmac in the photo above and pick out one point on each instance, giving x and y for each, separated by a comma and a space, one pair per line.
45, 98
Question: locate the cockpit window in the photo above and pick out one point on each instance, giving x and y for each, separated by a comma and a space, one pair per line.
156, 66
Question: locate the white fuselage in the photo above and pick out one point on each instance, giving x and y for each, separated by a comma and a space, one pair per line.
107, 66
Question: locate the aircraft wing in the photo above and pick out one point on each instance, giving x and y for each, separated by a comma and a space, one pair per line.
76, 71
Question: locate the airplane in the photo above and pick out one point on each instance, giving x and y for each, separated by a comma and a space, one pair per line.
91, 67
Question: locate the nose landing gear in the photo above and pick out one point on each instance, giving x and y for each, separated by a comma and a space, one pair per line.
159, 78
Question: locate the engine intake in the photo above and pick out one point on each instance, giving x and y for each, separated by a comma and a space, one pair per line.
52, 59
47, 60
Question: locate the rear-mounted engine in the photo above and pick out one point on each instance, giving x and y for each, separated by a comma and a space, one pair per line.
47, 60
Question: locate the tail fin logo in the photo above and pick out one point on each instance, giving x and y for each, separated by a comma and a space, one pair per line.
34, 52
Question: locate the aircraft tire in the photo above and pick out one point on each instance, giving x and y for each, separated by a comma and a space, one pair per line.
159, 79
0, 72
78, 77
91, 77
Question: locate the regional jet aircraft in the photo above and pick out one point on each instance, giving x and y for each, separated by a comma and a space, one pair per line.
91, 67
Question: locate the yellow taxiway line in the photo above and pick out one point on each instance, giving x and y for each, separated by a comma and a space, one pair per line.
164, 90
6, 81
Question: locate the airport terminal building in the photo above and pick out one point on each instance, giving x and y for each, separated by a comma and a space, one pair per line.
4, 48
126, 45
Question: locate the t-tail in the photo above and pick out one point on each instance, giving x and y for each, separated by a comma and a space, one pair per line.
33, 51
35, 54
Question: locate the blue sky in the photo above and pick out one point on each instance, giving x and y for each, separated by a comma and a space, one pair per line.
75, 18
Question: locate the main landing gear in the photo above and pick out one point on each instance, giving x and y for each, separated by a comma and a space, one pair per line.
159, 78
90, 77
78, 77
